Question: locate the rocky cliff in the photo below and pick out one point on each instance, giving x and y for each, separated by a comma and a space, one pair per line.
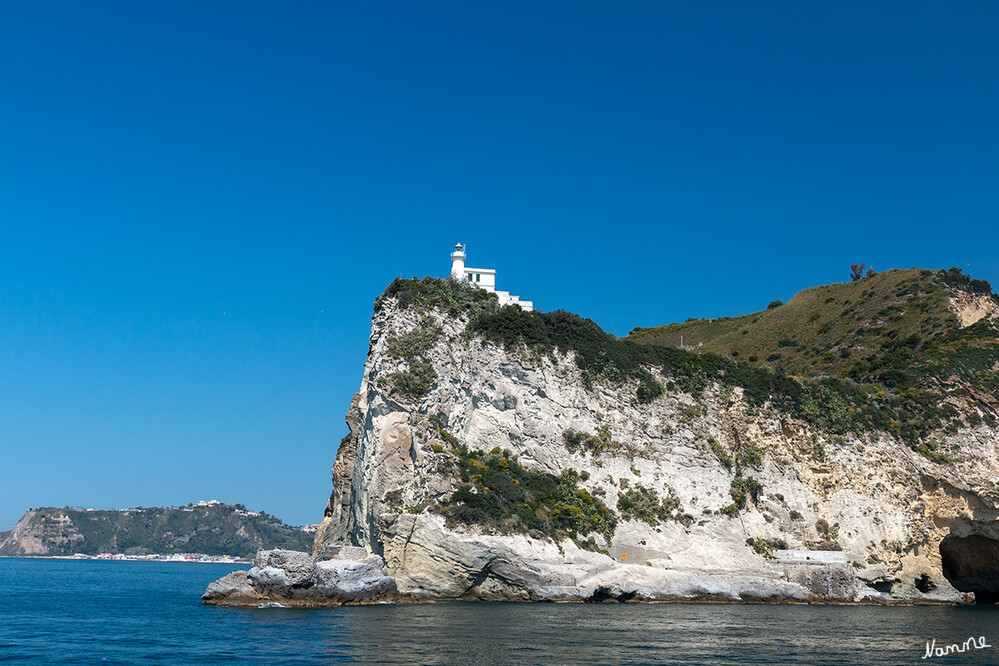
497, 454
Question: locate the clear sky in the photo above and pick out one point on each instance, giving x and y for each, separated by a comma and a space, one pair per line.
200, 201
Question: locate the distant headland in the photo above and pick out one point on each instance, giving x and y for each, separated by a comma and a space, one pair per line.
202, 531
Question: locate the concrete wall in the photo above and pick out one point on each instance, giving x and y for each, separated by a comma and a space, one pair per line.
811, 556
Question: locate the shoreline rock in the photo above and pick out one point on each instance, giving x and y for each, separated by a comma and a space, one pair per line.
295, 579
351, 576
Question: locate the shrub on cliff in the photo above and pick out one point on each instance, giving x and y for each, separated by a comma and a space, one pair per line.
499, 493
602, 355
744, 489
413, 382
600, 443
451, 296
723, 457
644, 504
414, 343
766, 547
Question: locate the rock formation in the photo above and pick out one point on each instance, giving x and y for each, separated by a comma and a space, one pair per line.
699, 489
345, 575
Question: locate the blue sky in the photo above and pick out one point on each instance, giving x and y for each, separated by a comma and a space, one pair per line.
200, 201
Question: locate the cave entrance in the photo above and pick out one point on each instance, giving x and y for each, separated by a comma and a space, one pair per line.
971, 564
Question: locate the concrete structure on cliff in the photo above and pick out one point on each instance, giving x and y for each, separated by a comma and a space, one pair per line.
483, 278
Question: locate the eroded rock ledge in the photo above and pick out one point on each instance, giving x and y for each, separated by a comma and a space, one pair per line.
341, 575
348, 575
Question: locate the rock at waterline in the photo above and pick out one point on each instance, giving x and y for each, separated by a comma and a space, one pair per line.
292, 578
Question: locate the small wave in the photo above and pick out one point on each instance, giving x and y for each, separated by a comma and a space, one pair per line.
272, 604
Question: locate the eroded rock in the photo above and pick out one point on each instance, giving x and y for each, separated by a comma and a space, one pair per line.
296, 579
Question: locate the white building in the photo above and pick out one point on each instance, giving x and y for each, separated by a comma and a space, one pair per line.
483, 278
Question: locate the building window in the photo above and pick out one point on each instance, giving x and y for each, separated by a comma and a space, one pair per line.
477, 276
470, 277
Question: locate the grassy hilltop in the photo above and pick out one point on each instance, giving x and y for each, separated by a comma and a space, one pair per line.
895, 328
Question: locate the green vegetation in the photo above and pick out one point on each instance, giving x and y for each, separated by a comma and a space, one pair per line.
450, 439
929, 449
766, 547
413, 344
601, 355
393, 499
597, 354
599, 444
644, 504
749, 456
818, 322
414, 381
828, 535
216, 529
743, 489
499, 493
649, 387
723, 457
955, 277
451, 296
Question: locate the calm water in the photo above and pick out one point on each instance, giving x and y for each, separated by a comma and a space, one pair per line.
62, 612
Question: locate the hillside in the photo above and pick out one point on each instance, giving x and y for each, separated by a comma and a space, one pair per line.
911, 348
847, 329
213, 529
495, 453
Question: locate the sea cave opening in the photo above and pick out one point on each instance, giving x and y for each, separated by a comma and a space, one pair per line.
971, 564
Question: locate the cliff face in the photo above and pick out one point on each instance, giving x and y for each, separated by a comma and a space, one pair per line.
23, 538
511, 471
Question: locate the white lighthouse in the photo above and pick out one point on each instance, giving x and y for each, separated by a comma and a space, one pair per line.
458, 262
483, 278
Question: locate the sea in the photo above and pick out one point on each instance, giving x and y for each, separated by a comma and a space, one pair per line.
101, 612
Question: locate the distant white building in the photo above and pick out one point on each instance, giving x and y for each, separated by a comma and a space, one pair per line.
483, 278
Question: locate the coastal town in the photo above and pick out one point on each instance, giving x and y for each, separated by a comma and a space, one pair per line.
156, 557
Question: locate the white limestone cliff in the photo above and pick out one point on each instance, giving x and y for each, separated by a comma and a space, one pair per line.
887, 507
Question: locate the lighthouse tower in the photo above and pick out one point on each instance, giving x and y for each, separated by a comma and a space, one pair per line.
458, 262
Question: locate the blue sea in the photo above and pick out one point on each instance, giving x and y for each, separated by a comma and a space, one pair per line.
91, 612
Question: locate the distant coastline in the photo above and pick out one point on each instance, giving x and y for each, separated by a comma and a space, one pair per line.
195, 531
172, 557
